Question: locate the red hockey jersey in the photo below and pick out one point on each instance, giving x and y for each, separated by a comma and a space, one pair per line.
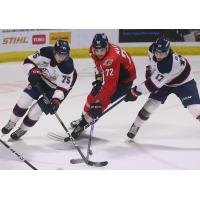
117, 66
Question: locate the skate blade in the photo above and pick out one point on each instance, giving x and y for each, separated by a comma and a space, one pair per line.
12, 140
130, 141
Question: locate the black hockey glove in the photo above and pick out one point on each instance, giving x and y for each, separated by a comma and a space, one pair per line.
53, 106
95, 110
34, 76
96, 87
132, 94
148, 72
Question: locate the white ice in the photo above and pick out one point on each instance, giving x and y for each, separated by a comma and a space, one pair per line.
169, 140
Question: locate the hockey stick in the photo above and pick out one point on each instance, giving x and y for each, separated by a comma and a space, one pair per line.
89, 151
18, 155
66, 139
87, 161
60, 138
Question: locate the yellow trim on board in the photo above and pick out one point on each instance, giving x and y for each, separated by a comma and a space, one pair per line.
83, 53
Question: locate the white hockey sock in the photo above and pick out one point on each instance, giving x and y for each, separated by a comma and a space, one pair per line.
14, 118
32, 117
87, 118
138, 121
22, 104
149, 107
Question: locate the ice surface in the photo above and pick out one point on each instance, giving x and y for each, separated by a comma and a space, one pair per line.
169, 140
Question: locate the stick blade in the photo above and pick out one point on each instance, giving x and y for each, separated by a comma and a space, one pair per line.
97, 164
76, 161
89, 162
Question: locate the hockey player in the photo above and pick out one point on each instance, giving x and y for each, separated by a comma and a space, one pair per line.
115, 72
166, 73
52, 70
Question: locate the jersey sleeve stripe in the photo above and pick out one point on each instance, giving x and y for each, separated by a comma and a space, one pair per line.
65, 92
183, 76
150, 85
74, 79
28, 61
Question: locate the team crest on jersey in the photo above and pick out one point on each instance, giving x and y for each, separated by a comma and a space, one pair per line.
44, 64
51, 76
108, 62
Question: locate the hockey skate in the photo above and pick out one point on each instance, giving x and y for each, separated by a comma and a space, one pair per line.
74, 123
17, 134
77, 128
133, 131
8, 127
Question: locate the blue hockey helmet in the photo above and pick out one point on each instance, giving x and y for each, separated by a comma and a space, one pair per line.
161, 45
100, 41
62, 47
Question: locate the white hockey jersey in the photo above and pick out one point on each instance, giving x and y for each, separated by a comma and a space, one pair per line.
172, 71
59, 76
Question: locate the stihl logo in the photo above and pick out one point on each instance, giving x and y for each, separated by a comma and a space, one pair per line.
38, 39
15, 40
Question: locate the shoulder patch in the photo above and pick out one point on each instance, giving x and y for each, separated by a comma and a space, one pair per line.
151, 48
108, 62
47, 52
165, 66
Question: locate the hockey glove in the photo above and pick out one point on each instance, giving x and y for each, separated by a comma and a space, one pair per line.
96, 87
34, 76
95, 110
98, 77
132, 94
54, 105
148, 72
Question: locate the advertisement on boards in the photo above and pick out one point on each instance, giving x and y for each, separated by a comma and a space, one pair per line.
150, 35
54, 36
